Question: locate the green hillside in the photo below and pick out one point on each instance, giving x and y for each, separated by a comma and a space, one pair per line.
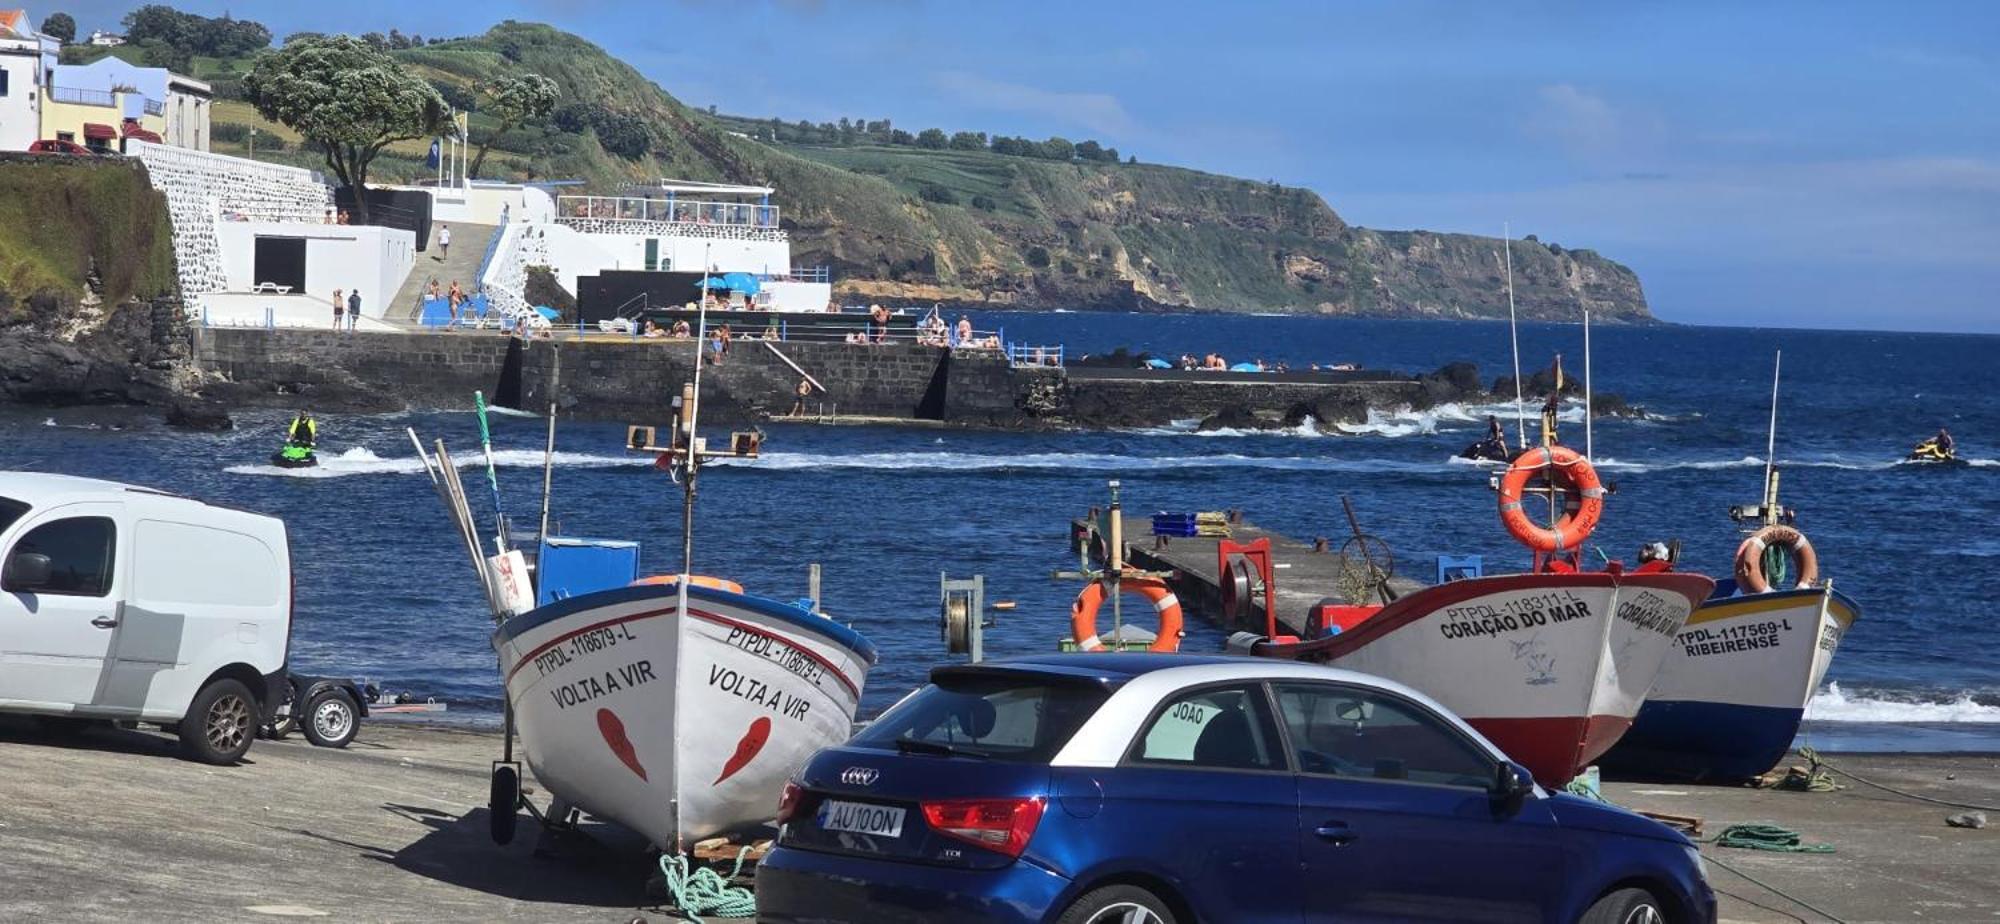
897, 221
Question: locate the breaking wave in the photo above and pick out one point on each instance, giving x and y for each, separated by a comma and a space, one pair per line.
1191, 426
1836, 705
363, 461
1062, 461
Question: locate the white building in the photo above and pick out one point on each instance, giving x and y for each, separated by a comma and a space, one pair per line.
105, 39
117, 93
254, 244
27, 59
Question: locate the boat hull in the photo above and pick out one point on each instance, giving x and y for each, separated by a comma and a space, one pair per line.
1552, 668
678, 728
1732, 692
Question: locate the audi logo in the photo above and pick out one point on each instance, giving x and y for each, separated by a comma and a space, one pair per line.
859, 776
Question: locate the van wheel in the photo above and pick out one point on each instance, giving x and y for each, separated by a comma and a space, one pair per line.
1626, 906
220, 724
1118, 904
330, 720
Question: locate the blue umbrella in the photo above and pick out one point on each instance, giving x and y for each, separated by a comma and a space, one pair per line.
740, 282
547, 312
1245, 367
1158, 364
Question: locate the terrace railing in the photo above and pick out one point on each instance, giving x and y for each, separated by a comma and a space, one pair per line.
83, 97
669, 217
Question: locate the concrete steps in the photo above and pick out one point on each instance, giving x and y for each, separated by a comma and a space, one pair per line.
468, 247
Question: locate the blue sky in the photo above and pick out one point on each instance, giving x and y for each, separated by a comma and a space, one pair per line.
1816, 164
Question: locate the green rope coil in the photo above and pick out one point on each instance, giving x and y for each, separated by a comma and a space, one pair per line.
704, 891
1767, 837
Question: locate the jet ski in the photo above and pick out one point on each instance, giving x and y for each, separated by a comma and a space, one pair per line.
1930, 453
295, 455
1487, 450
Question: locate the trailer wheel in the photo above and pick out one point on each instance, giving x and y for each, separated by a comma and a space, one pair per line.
503, 805
220, 723
329, 719
278, 727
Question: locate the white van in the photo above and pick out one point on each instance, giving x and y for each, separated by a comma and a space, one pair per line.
124, 603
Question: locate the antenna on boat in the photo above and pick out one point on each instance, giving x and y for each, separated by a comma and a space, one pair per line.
1514, 333
1771, 512
1587, 446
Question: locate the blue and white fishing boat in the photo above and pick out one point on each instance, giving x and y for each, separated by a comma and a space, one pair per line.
1728, 701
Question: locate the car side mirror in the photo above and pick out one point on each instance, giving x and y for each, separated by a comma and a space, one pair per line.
1512, 784
26, 571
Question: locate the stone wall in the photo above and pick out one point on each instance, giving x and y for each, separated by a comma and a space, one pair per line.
635, 380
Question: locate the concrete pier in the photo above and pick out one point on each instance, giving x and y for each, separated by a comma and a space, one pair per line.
1301, 576
110, 826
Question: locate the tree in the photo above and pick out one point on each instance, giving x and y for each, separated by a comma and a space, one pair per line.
932, 138
1089, 150
899, 136
347, 98
968, 141
61, 27
515, 101
1058, 148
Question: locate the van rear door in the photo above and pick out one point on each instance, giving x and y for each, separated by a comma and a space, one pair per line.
55, 638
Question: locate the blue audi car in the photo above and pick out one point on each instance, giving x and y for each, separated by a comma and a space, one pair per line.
1172, 789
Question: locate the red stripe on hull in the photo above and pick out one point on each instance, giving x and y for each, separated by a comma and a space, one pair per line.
1554, 749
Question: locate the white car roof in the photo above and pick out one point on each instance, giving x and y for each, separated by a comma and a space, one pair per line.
1104, 738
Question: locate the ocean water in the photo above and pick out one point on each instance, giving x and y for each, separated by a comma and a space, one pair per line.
384, 589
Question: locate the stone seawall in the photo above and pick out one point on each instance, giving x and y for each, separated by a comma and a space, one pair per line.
636, 380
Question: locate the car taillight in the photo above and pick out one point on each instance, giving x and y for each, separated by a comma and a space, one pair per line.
1002, 825
788, 801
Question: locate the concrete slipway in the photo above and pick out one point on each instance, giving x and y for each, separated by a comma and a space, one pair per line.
111, 826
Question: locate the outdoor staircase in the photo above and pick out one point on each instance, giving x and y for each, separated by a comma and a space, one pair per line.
468, 250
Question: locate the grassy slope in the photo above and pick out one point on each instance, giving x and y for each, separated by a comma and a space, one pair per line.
1113, 234
57, 214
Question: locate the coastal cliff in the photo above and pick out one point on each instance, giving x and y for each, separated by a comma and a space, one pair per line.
898, 221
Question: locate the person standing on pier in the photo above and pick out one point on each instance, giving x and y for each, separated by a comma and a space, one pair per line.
339, 308
353, 309
799, 394
444, 242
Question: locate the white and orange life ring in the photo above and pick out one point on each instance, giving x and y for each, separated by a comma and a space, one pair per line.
696, 580
1750, 576
1583, 502
1083, 613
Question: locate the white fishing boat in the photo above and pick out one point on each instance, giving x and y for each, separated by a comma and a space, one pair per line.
1735, 686
680, 723
1550, 667
676, 706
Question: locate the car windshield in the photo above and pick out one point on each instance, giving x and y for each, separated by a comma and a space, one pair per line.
999, 718
10, 510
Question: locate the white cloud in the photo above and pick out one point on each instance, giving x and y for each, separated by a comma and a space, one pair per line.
1098, 112
1590, 128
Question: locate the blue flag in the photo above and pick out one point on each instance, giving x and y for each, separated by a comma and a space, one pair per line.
436, 155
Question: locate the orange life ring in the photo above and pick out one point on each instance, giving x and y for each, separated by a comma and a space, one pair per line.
1582, 506
1083, 613
1750, 576
698, 580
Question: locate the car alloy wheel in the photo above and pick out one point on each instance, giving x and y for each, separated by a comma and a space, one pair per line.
1644, 914
228, 722
1125, 913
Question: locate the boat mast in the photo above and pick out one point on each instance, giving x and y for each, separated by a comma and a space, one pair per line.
1771, 447
690, 460
1587, 453
1514, 333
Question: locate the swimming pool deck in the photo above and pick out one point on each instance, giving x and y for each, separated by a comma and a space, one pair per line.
111, 826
